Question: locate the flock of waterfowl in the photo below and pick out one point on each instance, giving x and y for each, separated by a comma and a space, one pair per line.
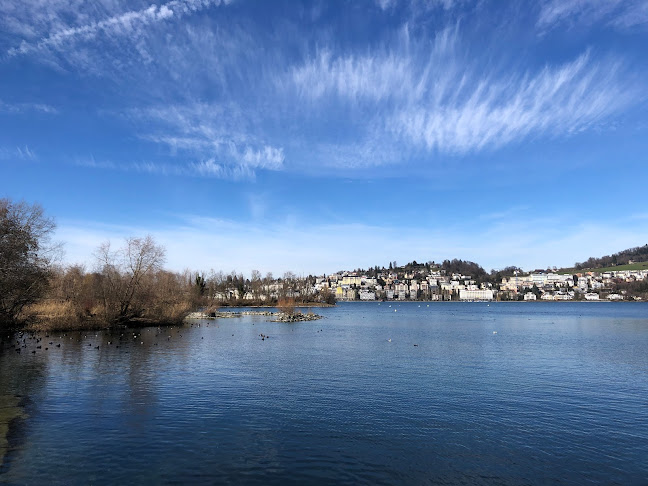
28, 342
35, 342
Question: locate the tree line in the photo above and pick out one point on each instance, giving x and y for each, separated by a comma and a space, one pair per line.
126, 284
636, 254
448, 267
234, 289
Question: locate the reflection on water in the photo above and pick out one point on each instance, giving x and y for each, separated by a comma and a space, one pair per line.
452, 393
18, 380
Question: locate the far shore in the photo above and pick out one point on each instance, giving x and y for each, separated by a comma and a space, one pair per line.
47, 323
483, 301
270, 306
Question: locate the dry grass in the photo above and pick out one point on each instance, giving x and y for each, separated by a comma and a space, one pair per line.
287, 306
173, 312
51, 309
53, 315
60, 315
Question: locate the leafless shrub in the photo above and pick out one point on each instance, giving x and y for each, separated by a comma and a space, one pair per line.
287, 306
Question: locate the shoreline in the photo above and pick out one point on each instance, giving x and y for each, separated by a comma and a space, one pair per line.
44, 323
268, 306
53, 324
492, 301
276, 316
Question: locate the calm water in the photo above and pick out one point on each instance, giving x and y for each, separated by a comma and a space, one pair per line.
559, 395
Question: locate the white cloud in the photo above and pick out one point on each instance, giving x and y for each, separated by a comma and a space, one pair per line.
426, 4
126, 24
203, 168
493, 112
265, 158
353, 77
20, 108
401, 74
17, 153
211, 168
438, 101
622, 14
410, 95
202, 243
385, 4
374, 150
92, 163
221, 135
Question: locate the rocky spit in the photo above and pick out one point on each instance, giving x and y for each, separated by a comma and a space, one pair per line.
277, 316
212, 315
296, 317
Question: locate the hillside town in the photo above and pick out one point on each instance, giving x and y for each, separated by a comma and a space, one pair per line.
436, 285
425, 282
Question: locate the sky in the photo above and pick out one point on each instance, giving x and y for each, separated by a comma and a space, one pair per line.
316, 136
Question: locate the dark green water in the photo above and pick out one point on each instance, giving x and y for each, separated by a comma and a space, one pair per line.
558, 395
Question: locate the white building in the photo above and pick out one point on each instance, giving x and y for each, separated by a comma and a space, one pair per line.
539, 279
475, 294
401, 289
367, 295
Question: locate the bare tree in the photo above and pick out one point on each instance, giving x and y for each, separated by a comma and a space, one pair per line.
26, 256
124, 273
268, 285
286, 306
215, 286
255, 284
288, 285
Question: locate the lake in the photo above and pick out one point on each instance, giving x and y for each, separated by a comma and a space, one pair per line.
374, 393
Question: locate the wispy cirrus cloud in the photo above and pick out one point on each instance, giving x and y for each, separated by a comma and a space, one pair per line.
208, 168
410, 95
426, 4
211, 168
17, 153
621, 14
124, 24
493, 111
438, 100
20, 108
400, 74
228, 143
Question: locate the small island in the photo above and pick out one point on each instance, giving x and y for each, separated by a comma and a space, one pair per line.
286, 313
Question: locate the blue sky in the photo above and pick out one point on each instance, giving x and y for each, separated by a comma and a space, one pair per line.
319, 136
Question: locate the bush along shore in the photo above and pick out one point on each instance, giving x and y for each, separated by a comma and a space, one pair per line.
58, 318
127, 285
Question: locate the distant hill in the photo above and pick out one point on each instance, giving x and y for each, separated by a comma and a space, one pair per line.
629, 257
464, 267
